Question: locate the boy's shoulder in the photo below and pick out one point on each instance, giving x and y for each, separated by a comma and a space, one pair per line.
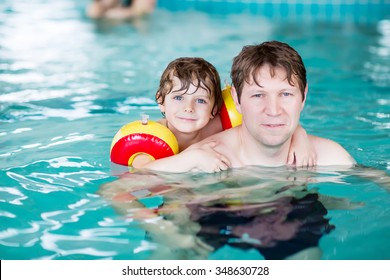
213, 127
162, 122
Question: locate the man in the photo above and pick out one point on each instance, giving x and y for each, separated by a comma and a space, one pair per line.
269, 90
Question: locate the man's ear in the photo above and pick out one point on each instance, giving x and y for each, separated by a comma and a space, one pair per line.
305, 96
233, 92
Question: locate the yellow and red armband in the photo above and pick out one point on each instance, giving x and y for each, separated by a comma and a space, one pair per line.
142, 137
230, 117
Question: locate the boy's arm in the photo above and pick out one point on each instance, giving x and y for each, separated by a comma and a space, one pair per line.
204, 158
141, 160
302, 152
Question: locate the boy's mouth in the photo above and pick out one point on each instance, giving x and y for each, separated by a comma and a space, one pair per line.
187, 119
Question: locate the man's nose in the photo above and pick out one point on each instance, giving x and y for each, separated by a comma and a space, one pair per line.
272, 106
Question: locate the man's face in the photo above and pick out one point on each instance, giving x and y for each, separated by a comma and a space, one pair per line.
270, 112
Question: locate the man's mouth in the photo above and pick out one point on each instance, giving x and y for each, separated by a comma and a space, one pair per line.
273, 125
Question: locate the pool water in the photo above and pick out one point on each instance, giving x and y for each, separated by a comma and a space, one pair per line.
68, 83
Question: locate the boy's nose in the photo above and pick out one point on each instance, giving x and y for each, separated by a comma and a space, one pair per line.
189, 107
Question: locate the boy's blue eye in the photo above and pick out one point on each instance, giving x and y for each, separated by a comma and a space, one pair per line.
178, 97
201, 101
286, 94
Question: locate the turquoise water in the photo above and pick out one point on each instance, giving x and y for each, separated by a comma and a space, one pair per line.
67, 84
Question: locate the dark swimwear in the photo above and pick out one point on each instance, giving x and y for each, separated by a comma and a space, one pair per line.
303, 219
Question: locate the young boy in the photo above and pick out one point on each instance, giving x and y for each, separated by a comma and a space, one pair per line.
189, 96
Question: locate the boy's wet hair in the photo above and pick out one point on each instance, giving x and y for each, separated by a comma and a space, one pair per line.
248, 62
195, 71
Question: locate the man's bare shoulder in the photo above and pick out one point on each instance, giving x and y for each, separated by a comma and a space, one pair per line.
223, 139
330, 152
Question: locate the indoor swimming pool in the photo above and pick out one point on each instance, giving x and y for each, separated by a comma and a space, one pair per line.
68, 83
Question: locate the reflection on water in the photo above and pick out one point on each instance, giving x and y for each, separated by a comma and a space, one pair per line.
272, 211
247, 213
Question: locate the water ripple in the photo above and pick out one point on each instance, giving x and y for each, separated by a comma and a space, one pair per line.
85, 244
20, 237
73, 137
37, 186
11, 196
74, 173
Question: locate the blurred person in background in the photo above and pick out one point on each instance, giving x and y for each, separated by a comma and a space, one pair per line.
120, 9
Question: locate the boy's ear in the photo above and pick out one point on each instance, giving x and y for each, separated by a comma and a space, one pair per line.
159, 101
162, 108
235, 98
158, 97
213, 113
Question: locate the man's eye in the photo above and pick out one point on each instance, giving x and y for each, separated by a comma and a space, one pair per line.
258, 95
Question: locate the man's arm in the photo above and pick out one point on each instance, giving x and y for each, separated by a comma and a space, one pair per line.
379, 177
124, 194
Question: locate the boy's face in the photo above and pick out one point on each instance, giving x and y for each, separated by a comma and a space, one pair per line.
188, 112
271, 112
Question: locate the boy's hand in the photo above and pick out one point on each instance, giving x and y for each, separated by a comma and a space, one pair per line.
302, 159
302, 152
200, 158
208, 160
